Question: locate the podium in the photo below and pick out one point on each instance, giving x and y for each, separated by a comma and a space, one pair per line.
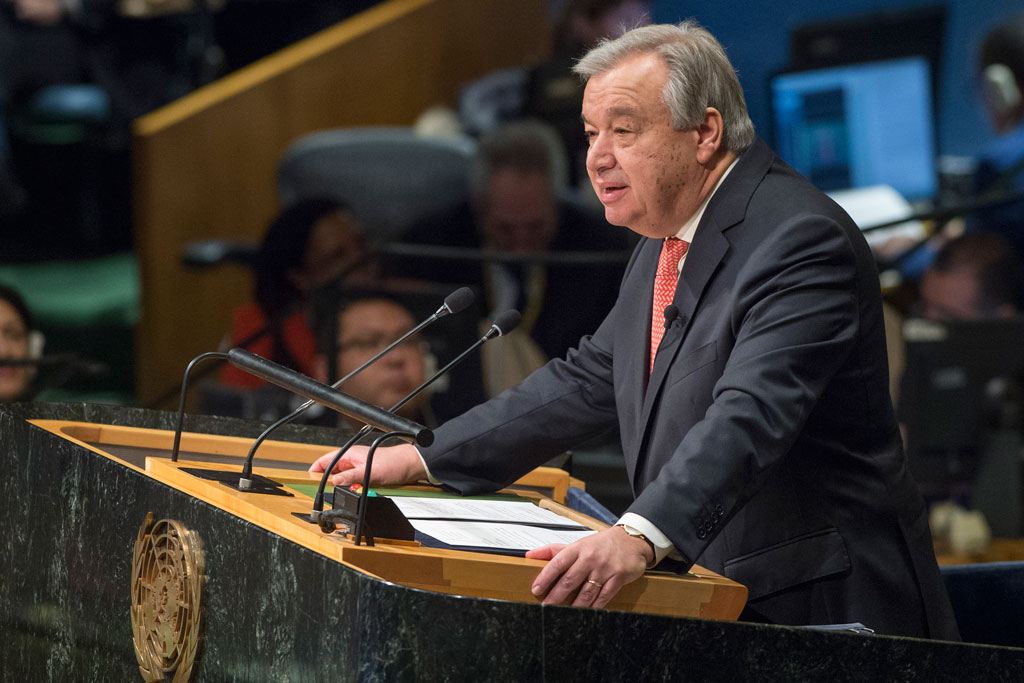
85, 489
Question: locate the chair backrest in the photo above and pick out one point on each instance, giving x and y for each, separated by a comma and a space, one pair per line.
389, 176
988, 601
492, 99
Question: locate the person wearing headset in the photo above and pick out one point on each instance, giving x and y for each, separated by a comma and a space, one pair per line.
17, 342
1001, 164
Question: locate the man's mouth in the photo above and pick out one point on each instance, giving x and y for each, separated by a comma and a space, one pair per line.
610, 193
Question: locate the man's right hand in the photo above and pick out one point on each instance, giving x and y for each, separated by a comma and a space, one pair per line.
392, 466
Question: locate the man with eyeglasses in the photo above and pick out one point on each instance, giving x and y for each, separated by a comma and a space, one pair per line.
365, 326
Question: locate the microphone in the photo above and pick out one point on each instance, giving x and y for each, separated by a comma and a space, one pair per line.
336, 400
671, 315
456, 302
502, 324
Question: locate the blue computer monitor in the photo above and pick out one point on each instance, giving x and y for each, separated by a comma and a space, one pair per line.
859, 125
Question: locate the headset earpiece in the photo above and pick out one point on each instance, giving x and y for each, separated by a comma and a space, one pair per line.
35, 344
1002, 93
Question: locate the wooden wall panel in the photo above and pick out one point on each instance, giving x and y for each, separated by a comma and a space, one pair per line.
203, 166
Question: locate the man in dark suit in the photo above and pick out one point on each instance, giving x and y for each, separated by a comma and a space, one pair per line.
518, 208
754, 412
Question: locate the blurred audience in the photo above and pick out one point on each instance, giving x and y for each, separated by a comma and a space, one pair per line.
973, 277
73, 76
310, 245
364, 328
516, 208
553, 93
1001, 164
15, 331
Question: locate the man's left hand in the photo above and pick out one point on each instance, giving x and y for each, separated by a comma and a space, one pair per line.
597, 566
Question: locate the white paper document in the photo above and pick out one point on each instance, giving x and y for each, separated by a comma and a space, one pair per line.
504, 525
478, 510
503, 536
879, 204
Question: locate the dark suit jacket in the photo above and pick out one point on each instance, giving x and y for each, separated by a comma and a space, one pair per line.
765, 446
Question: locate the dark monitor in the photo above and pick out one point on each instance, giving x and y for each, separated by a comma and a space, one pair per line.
959, 384
877, 35
859, 125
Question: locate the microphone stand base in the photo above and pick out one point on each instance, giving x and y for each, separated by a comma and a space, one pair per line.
259, 483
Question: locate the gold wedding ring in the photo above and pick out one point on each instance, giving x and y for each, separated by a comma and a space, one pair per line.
599, 585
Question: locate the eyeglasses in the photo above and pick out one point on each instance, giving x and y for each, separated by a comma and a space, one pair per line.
374, 343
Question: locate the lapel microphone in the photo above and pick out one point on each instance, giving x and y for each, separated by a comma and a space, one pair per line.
671, 315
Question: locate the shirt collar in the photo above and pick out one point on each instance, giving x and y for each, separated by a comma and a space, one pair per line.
689, 228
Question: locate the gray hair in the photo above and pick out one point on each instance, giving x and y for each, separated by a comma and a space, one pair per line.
699, 75
525, 146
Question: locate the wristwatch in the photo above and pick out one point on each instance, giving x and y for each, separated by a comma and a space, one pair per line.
636, 533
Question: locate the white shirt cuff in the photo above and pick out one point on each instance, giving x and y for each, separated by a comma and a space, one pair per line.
431, 478
662, 546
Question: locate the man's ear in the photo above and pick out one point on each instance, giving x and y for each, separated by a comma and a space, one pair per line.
709, 135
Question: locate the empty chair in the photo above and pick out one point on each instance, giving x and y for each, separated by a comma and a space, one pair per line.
492, 99
988, 601
389, 176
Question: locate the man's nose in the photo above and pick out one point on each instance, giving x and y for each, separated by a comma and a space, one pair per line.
599, 155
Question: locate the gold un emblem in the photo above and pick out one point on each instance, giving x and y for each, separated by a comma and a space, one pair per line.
167, 590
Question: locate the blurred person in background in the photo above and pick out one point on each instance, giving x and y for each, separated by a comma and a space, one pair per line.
364, 327
973, 277
517, 207
553, 93
311, 244
1001, 163
15, 336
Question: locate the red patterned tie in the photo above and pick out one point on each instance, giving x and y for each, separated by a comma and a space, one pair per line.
672, 251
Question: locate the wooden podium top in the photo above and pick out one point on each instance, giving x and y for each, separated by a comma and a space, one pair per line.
701, 593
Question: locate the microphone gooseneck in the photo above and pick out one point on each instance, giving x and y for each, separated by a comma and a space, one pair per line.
181, 403
456, 302
336, 400
503, 324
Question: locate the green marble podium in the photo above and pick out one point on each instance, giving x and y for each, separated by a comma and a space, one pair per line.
278, 611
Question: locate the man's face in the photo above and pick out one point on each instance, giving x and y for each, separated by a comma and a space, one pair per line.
13, 345
648, 176
950, 295
335, 245
366, 327
520, 215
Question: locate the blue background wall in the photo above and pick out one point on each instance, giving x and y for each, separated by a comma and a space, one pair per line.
755, 34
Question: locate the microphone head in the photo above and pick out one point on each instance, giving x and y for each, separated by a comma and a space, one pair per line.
506, 322
459, 300
671, 313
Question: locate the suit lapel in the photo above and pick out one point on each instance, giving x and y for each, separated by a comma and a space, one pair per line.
639, 292
708, 248
725, 210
